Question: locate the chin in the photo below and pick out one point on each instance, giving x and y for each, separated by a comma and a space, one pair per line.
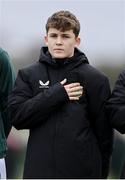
59, 56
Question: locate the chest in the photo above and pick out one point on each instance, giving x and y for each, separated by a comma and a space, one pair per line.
44, 77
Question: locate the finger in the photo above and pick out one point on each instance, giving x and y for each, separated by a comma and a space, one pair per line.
78, 88
74, 98
73, 85
76, 93
64, 81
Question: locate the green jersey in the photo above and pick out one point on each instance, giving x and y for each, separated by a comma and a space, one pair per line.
7, 78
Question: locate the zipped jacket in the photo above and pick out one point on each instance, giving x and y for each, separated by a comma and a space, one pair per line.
6, 83
68, 139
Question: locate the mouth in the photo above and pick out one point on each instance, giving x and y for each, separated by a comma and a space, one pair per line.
58, 50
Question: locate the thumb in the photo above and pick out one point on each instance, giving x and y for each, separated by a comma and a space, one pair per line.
63, 81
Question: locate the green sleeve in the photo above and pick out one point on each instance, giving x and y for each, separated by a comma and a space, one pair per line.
7, 78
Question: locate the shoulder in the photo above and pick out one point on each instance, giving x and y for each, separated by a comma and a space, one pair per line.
31, 68
121, 79
93, 73
5, 63
31, 71
122, 74
4, 57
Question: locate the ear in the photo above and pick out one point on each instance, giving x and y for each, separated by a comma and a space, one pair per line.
78, 40
46, 40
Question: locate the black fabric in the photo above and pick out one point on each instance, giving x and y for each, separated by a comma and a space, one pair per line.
116, 109
68, 139
116, 104
122, 176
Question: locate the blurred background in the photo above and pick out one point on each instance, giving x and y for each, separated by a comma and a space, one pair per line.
22, 29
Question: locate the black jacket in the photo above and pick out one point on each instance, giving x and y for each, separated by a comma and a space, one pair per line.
116, 109
68, 139
116, 104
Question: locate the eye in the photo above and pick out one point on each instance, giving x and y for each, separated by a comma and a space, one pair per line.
53, 35
65, 36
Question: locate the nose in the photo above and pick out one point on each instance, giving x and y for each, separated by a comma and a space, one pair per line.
59, 41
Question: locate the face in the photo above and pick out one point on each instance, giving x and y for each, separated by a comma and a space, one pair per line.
61, 44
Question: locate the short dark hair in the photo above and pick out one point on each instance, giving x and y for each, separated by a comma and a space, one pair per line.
63, 21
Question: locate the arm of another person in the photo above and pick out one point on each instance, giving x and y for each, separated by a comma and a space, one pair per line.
7, 78
116, 104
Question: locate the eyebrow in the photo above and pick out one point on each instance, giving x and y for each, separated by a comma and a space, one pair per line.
61, 34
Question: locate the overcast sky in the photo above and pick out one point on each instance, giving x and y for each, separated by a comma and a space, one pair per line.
22, 22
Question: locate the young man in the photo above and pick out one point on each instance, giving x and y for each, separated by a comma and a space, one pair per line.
116, 108
6, 84
70, 136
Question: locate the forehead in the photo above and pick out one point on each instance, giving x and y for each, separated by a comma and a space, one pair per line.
56, 31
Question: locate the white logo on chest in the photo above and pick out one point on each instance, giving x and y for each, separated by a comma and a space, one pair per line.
43, 85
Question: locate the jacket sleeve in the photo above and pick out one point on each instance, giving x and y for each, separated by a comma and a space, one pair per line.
101, 124
7, 78
116, 104
27, 111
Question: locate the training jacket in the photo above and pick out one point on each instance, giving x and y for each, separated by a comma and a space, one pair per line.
116, 109
67, 139
6, 84
116, 104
